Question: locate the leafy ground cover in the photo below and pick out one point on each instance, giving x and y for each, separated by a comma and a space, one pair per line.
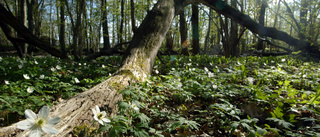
186, 96
35, 82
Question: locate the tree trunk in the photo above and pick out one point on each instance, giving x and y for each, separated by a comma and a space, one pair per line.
262, 13
133, 20
30, 6
195, 29
183, 34
206, 41
62, 28
77, 30
303, 18
120, 34
22, 19
139, 59
106, 41
37, 18
169, 43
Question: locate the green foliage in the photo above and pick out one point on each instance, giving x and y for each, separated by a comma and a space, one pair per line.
48, 80
188, 96
249, 96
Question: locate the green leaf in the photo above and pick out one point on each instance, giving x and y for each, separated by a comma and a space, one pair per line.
116, 130
104, 128
277, 113
140, 133
143, 118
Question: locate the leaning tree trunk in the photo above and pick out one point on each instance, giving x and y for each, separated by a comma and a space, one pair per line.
245, 20
137, 64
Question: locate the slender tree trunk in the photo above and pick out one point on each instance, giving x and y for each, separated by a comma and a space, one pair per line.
183, 34
303, 18
206, 41
82, 37
195, 29
262, 13
22, 19
120, 36
169, 42
37, 18
62, 28
106, 41
133, 20
51, 37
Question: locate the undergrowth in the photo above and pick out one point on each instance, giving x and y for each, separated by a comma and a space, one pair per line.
186, 96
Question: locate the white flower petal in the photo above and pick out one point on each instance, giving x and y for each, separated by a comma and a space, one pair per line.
104, 113
100, 121
44, 112
35, 133
53, 121
95, 118
106, 120
25, 124
94, 111
30, 114
50, 130
97, 109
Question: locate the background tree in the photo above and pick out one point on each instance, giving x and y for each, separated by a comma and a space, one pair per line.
262, 13
106, 41
183, 34
62, 27
195, 29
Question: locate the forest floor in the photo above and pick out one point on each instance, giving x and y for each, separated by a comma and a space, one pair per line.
188, 95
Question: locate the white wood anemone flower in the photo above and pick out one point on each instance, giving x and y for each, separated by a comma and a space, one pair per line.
100, 116
39, 123
134, 106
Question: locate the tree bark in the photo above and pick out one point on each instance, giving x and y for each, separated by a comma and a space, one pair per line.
30, 6
139, 59
303, 18
195, 29
62, 28
22, 19
206, 41
120, 34
106, 41
133, 20
183, 34
262, 13
169, 43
